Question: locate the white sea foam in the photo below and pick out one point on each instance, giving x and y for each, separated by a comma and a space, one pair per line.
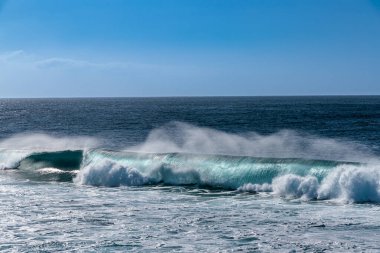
56, 171
109, 173
346, 183
254, 188
9, 158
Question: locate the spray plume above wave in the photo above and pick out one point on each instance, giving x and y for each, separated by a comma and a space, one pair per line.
178, 137
287, 164
45, 142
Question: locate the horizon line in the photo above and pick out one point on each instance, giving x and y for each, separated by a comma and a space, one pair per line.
198, 96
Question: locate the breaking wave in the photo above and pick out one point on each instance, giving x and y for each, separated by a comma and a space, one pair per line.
285, 177
288, 178
108, 168
46, 166
321, 168
345, 183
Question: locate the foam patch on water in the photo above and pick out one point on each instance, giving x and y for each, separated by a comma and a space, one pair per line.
56, 171
254, 188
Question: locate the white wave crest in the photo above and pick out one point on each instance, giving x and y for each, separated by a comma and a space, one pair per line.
352, 184
109, 173
296, 186
9, 159
346, 183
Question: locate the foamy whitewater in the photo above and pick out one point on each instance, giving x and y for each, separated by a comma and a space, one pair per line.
107, 182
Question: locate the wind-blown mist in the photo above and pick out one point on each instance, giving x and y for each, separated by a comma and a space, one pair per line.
45, 142
185, 138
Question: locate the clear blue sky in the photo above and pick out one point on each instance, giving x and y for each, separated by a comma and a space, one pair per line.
81, 48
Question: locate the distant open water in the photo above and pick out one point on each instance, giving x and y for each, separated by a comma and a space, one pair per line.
190, 174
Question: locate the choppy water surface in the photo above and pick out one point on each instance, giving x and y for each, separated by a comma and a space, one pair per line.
45, 216
194, 174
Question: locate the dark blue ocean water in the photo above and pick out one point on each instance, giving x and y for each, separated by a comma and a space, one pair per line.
208, 174
127, 121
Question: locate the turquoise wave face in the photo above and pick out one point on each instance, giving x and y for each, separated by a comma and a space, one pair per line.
46, 166
219, 171
107, 168
66, 160
118, 168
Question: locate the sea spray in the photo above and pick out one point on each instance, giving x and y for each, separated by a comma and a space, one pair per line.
40, 142
179, 137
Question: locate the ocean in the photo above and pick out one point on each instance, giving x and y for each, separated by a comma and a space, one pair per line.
188, 174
